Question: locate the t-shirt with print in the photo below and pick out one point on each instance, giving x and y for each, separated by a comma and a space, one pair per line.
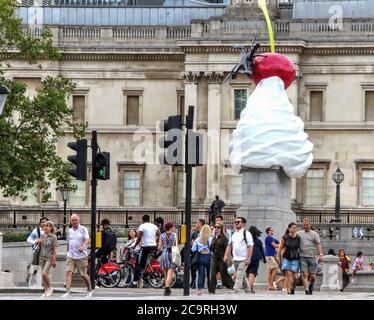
308, 243
239, 247
149, 234
49, 243
76, 238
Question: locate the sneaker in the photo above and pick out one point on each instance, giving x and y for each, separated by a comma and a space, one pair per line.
284, 290
66, 295
219, 286
167, 291
43, 295
49, 292
199, 292
133, 285
234, 291
140, 283
353, 280
89, 294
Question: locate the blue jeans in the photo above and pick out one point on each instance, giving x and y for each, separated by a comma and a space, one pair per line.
204, 269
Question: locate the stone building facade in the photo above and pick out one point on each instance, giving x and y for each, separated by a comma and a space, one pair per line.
130, 76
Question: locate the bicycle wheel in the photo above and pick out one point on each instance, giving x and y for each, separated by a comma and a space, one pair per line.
156, 279
127, 275
111, 280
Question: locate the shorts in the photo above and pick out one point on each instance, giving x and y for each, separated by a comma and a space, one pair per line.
80, 264
290, 265
272, 263
308, 265
253, 267
45, 264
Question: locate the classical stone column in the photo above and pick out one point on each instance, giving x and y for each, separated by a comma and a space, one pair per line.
191, 82
214, 133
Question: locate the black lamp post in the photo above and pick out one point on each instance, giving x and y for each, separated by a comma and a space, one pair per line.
65, 196
4, 91
338, 178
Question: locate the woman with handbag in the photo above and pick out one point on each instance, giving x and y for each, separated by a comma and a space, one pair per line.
202, 248
289, 255
167, 241
47, 258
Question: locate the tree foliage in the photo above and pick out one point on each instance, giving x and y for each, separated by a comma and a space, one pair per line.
31, 127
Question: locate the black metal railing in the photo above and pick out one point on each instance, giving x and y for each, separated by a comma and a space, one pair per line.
22, 218
346, 217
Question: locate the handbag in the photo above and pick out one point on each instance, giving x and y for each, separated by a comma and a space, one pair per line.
175, 254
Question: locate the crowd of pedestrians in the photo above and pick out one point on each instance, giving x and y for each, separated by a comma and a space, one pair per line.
220, 257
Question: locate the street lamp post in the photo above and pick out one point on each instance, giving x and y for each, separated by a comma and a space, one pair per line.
65, 196
338, 178
4, 92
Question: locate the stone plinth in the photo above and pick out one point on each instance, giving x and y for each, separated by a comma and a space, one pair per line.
330, 272
266, 200
6, 278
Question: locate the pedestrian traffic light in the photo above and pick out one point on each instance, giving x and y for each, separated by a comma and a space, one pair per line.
102, 166
195, 148
172, 141
79, 160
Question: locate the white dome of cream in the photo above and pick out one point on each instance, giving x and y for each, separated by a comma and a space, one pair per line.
269, 134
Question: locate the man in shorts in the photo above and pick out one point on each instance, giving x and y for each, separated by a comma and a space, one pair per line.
77, 256
309, 242
271, 244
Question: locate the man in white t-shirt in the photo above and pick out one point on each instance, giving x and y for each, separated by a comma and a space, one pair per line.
148, 235
77, 256
241, 245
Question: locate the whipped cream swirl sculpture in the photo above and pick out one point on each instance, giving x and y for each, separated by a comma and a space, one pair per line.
268, 133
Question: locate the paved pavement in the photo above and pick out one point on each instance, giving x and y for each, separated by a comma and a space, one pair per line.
177, 294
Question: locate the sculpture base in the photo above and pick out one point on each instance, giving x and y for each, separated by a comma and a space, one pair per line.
266, 202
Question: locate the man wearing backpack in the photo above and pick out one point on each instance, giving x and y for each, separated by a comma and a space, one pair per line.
109, 241
241, 245
35, 239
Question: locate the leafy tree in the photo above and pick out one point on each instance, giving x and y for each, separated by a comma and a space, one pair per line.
31, 127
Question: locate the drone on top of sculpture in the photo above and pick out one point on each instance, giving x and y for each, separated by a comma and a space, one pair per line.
268, 133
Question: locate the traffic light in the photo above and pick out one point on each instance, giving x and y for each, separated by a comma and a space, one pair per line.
172, 141
79, 160
195, 148
102, 166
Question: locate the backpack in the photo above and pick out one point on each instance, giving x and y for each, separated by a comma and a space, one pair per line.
110, 240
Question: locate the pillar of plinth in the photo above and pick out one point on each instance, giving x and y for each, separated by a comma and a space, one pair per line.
6, 278
330, 271
266, 202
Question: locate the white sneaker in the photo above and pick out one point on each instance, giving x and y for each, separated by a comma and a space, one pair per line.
66, 295
43, 295
89, 294
284, 290
49, 292
275, 286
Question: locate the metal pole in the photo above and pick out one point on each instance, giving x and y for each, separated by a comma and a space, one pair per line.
64, 227
93, 209
14, 219
337, 203
188, 168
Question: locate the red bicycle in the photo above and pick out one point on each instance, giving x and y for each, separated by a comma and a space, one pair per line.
153, 274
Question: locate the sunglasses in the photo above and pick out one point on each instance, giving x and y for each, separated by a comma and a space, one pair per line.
237, 222
217, 227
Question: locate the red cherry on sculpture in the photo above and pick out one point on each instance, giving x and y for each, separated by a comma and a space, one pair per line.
273, 64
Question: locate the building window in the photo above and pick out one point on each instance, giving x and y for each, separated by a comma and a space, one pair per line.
131, 188
367, 187
178, 187
133, 106
78, 197
240, 101
79, 106
132, 110
315, 187
316, 105
235, 190
369, 105
180, 95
